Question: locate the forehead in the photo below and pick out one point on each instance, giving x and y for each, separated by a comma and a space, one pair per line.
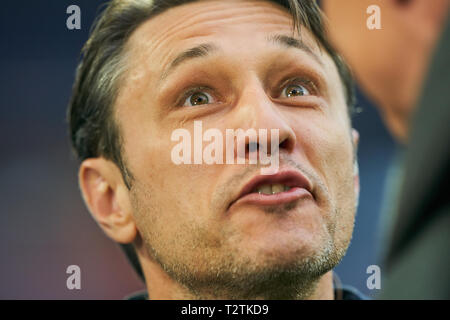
238, 28
232, 23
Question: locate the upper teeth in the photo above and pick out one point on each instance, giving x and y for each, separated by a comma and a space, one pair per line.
272, 188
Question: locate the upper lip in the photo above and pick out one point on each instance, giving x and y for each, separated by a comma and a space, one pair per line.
290, 178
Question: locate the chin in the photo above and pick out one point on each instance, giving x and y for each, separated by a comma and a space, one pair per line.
297, 247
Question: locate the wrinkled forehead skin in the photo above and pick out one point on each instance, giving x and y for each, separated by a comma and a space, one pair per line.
238, 28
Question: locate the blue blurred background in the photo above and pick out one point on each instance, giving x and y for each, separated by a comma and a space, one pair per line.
44, 226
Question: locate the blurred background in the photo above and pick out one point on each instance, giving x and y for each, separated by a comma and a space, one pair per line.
44, 225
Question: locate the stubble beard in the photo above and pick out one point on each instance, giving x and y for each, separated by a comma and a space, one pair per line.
221, 271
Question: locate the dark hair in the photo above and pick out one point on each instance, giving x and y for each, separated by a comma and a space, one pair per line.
93, 130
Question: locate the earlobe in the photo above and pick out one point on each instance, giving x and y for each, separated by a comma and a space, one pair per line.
107, 198
355, 140
356, 180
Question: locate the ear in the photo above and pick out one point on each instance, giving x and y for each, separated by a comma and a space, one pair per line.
355, 140
107, 198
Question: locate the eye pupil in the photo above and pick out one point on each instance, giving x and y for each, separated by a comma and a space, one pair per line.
295, 90
199, 98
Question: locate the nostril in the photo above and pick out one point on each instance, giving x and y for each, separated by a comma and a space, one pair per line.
403, 2
253, 146
286, 144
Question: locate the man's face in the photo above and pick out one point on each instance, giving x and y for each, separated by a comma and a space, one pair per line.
189, 216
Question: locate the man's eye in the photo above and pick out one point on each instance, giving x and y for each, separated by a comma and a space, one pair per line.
197, 98
294, 90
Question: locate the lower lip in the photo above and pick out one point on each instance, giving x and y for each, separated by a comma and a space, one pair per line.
284, 197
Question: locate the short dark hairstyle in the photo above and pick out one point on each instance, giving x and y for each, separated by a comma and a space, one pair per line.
93, 130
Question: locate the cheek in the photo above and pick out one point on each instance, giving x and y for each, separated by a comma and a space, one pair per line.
338, 171
330, 153
328, 148
179, 191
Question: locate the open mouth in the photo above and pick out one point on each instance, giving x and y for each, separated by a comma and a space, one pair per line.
271, 188
277, 189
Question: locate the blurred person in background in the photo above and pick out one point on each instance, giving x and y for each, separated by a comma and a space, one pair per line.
404, 67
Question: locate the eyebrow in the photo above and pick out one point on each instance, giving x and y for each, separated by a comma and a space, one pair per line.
201, 50
205, 49
291, 42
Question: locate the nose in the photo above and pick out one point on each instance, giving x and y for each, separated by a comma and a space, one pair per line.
255, 110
